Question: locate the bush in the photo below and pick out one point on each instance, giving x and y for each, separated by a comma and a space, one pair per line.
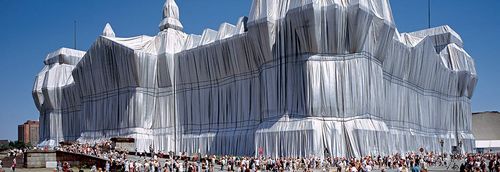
4, 147
18, 145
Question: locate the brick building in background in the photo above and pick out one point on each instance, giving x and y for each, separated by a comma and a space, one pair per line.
29, 132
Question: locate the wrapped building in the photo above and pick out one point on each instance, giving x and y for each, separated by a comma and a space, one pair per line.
295, 78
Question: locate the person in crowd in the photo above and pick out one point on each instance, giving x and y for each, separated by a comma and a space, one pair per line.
416, 167
14, 164
94, 168
108, 166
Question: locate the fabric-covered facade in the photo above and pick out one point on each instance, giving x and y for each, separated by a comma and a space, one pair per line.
295, 78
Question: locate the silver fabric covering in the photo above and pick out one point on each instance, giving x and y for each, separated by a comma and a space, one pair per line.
295, 78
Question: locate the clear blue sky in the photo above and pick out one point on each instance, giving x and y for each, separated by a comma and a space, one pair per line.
31, 29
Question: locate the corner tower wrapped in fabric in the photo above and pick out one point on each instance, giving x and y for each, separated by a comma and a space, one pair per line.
295, 78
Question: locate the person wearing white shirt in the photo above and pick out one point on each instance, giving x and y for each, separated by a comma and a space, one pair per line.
369, 168
126, 166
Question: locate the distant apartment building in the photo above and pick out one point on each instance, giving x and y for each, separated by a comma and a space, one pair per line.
28, 132
485, 129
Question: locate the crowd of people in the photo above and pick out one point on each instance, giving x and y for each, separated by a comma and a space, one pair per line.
120, 160
408, 162
396, 162
102, 149
481, 163
13, 154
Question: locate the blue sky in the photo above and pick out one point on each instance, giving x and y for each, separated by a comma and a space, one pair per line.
31, 29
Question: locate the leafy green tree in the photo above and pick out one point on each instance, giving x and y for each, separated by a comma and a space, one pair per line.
4, 147
18, 145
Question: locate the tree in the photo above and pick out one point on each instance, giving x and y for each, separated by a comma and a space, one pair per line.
17, 145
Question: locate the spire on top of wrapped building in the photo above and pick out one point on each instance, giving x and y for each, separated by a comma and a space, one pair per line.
108, 31
170, 16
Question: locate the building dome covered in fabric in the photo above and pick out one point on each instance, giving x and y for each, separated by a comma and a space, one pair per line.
170, 16
295, 78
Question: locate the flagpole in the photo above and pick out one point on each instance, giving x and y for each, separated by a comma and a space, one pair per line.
74, 34
429, 13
